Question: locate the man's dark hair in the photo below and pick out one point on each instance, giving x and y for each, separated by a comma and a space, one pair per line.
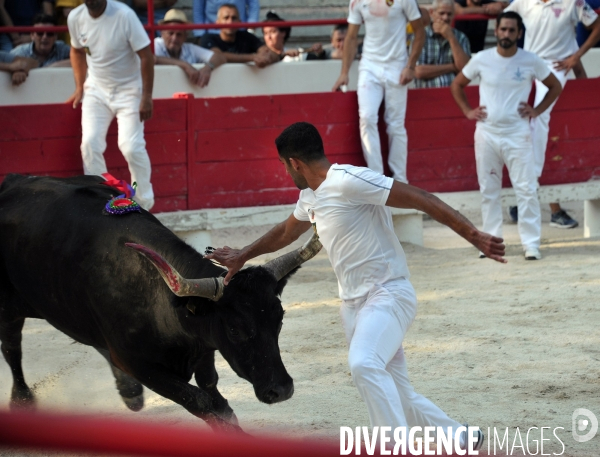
274, 17
342, 27
300, 141
510, 15
44, 19
229, 5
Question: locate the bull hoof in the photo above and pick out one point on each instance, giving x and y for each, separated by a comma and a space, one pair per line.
135, 404
22, 399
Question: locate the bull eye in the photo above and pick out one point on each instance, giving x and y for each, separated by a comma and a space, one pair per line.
234, 332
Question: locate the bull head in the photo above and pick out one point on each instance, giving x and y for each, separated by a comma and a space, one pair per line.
212, 288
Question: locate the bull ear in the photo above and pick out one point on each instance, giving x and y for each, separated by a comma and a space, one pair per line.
283, 281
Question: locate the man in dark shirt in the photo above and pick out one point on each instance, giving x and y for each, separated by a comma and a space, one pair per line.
239, 46
476, 30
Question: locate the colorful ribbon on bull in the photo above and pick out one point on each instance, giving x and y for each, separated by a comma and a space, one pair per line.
121, 204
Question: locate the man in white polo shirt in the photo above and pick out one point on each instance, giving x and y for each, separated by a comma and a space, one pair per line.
109, 43
171, 49
384, 71
551, 35
348, 208
502, 136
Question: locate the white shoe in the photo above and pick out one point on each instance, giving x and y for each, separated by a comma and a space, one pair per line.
533, 254
477, 445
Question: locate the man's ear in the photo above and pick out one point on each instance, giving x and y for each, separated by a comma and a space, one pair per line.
295, 163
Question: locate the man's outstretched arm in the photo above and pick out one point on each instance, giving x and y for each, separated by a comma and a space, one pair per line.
280, 236
410, 197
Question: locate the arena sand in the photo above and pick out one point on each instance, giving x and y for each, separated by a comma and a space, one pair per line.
515, 345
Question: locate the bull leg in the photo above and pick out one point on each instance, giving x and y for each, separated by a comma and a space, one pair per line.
131, 391
10, 336
206, 378
194, 399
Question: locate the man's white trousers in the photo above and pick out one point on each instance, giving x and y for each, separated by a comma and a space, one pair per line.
540, 126
492, 152
375, 82
98, 109
375, 326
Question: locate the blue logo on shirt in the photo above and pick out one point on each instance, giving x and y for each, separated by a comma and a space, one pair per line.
518, 76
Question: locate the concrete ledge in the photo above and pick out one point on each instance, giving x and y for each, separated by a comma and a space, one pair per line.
195, 226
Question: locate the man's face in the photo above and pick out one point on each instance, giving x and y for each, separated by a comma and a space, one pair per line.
228, 16
43, 42
298, 179
444, 13
507, 33
337, 40
274, 38
174, 40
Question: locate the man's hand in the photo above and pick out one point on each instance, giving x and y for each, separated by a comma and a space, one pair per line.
146, 108
407, 75
526, 111
19, 77
341, 81
566, 64
192, 74
76, 98
204, 76
493, 9
477, 114
230, 258
491, 246
441, 28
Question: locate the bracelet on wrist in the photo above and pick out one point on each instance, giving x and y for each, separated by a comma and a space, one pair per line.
210, 65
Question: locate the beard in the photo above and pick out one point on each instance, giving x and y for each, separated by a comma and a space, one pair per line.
506, 43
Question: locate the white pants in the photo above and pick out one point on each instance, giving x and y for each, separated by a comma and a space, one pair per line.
376, 81
98, 109
375, 326
492, 151
540, 126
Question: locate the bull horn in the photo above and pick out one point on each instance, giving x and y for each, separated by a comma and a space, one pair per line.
211, 288
282, 265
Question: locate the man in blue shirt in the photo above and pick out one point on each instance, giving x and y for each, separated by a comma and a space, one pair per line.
44, 47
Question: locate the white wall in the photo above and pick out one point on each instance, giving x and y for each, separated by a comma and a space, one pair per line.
55, 85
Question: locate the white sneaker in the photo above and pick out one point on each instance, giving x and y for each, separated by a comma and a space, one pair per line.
477, 445
533, 254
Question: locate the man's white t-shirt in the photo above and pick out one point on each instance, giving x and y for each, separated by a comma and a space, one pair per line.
190, 53
349, 214
505, 83
551, 26
385, 27
110, 42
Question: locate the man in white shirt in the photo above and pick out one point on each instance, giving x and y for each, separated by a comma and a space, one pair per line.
502, 136
384, 71
171, 49
551, 35
109, 43
347, 207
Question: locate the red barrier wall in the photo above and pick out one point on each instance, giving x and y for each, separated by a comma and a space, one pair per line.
220, 152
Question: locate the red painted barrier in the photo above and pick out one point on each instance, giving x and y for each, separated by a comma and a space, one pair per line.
220, 152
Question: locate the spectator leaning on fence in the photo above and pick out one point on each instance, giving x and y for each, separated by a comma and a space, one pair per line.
44, 47
446, 50
18, 67
550, 34
171, 49
476, 30
239, 46
276, 37
207, 11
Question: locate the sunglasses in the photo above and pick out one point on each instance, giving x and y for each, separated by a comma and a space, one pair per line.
48, 34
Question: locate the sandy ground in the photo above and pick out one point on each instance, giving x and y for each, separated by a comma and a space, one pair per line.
513, 345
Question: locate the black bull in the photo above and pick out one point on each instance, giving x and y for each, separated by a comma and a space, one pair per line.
63, 260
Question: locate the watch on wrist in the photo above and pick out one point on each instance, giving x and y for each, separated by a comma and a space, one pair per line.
210, 65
